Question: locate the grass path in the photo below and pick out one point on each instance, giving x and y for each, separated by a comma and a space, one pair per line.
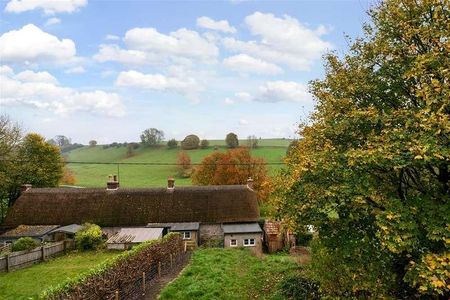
230, 274
28, 283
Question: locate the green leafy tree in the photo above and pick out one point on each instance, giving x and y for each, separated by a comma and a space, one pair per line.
190, 142
371, 171
62, 141
232, 140
92, 143
152, 137
252, 142
172, 144
204, 144
90, 237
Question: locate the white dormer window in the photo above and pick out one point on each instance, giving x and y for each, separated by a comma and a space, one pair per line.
186, 235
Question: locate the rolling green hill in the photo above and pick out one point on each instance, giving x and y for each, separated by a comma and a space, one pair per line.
95, 175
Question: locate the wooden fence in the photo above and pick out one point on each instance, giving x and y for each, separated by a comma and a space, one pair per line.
22, 259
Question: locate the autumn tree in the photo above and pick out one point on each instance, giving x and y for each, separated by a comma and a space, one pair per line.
152, 137
371, 171
184, 166
232, 167
232, 140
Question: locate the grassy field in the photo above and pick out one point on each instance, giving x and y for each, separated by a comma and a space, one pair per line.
28, 283
230, 274
95, 175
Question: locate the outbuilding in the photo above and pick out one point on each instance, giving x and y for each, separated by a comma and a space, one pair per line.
189, 231
65, 232
40, 233
243, 235
129, 237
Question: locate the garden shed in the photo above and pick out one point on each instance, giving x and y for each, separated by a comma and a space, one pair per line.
41, 233
128, 237
65, 232
243, 235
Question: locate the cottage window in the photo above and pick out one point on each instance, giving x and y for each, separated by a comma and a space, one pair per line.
233, 243
249, 242
186, 235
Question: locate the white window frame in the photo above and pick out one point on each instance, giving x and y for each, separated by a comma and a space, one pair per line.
250, 242
185, 233
235, 243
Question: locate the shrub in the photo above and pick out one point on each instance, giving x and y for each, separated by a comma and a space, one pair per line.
24, 243
204, 144
183, 164
190, 142
298, 287
232, 140
303, 238
90, 237
171, 144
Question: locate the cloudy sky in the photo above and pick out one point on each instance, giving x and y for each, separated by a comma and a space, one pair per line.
106, 70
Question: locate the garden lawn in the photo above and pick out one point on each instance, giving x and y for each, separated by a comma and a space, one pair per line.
28, 283
231, 274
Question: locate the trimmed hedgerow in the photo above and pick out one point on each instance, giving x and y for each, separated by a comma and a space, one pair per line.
121, 270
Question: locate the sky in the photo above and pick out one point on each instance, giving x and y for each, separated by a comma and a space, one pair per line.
107, 70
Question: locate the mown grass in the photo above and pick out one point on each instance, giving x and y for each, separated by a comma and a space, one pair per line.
28, 283
231, 274
272, 150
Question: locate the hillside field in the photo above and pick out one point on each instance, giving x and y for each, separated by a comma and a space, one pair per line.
95, 175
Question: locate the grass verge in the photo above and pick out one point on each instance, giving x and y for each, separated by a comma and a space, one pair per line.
231, 274
28, 283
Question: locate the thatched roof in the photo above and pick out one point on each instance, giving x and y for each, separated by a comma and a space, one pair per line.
134, 207
27, 230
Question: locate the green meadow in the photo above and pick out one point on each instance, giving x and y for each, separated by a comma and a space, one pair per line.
95, 175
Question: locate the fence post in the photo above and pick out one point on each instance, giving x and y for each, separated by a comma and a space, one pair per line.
185, 246
159, 269
171, 260
7, 263
143, 283
117, 294
43, 252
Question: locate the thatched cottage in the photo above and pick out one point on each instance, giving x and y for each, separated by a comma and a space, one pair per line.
210, 207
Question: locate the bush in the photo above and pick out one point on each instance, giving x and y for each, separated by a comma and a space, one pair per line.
232, 140
298, 287
171, 144
204, 144
24, 243
90, 237
190, 142
303, 238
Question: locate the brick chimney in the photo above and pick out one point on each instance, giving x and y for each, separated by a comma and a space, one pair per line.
25, 187
170, 183
113, 182
250, 183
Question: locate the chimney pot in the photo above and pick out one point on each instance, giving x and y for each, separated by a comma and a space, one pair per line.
250, 183
113, 182
25, 187
170, 183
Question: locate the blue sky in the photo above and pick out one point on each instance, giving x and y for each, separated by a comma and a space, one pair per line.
107, 70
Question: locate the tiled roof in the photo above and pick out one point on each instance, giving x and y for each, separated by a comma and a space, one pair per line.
241, 228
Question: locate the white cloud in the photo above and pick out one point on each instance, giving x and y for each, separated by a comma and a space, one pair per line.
75, 70
126, 57
32, 45
111, 37
282, 40
222, 25
243, 122
238, 97
41, 90
244, 63
48, 6
228, 101
30, 76
277, 91
53, 21
158, 82
146, 46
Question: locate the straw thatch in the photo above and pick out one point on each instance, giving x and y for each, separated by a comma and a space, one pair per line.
134, 207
